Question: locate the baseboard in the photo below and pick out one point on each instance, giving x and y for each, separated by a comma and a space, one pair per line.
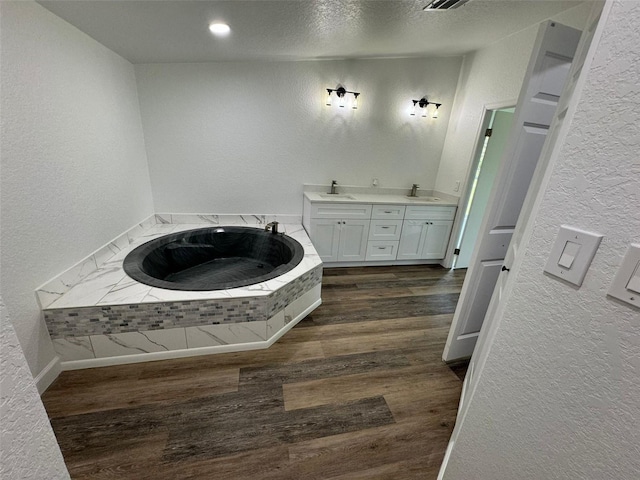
187, 352
382, 263
48, 375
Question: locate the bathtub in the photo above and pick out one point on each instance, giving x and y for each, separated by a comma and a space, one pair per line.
214, 258
109, 317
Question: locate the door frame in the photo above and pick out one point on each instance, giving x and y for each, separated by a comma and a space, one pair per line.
464, 200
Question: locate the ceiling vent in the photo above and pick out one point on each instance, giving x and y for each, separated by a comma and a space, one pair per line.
444, 4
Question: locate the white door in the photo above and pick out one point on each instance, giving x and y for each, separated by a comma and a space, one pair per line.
353, 240
557, 130
482, 183
545, 78
412, 239
325, 235
436, 239
565, 110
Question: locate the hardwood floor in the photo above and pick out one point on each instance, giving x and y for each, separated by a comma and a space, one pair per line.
357, 390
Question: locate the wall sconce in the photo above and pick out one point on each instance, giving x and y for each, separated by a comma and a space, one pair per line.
423, 103
340, 93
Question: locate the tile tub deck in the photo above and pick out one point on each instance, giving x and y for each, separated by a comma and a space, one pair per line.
108, 318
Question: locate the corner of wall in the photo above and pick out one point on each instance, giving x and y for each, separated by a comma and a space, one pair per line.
48, 375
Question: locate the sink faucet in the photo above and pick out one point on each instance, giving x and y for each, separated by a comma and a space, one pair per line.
273, 226
414, 190
334, 184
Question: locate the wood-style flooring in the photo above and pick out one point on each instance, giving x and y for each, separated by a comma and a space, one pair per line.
357, 390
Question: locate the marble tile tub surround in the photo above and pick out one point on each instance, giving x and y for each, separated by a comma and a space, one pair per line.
55, 288
392, 193
58, 286
85, 351
134, 317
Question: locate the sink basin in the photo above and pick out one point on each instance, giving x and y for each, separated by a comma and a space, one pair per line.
337, 196
424, 199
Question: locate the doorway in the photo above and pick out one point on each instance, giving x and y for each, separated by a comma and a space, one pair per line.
491, 146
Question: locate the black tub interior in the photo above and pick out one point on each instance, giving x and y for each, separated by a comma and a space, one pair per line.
214, 258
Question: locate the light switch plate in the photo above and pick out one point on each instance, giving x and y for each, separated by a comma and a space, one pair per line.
626, 283
572, 253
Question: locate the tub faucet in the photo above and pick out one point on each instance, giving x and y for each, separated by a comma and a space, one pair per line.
273, 226
414, 190
334, 185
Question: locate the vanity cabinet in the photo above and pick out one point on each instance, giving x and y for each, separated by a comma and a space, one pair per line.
340, 232
425, 232
424, 239
356, 232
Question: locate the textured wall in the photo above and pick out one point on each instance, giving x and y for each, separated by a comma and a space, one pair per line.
489, 76
558, 397
228, 136
74, 170
28, 448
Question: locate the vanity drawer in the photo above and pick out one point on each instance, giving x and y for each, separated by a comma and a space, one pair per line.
391, 212
382, 250
420, 212
385, 230
340, 210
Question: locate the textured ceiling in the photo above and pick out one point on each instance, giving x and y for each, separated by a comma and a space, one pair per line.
152, 31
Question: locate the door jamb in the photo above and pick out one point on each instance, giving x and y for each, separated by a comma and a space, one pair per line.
473, 165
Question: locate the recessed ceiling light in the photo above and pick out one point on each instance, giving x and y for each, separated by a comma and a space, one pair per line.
219, 29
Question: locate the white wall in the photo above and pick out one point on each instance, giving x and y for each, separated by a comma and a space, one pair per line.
74, 170
242, 137
490, 76
558, 396
28, 447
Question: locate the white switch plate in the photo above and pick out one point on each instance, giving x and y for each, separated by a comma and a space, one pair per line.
626, 281
580, 256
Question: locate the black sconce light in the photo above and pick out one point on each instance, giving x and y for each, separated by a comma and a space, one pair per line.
423, 103
340, 93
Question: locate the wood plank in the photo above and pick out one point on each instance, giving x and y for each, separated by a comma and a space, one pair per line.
354, 330
362, 385
342, 455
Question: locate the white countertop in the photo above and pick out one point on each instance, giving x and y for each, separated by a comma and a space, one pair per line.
379, 199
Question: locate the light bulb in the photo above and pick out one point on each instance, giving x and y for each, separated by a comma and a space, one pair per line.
328, 98
341, 102
219, 29
424, 110
413, 109
435, 112
354, 105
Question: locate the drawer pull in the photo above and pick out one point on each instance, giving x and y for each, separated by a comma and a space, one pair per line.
388, 211
385, 227
382, 248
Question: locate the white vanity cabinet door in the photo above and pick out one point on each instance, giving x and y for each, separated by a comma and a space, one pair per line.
436, 239
353, 240
412, 239
325, 235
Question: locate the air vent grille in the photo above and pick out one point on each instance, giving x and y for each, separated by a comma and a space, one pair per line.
445, 4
